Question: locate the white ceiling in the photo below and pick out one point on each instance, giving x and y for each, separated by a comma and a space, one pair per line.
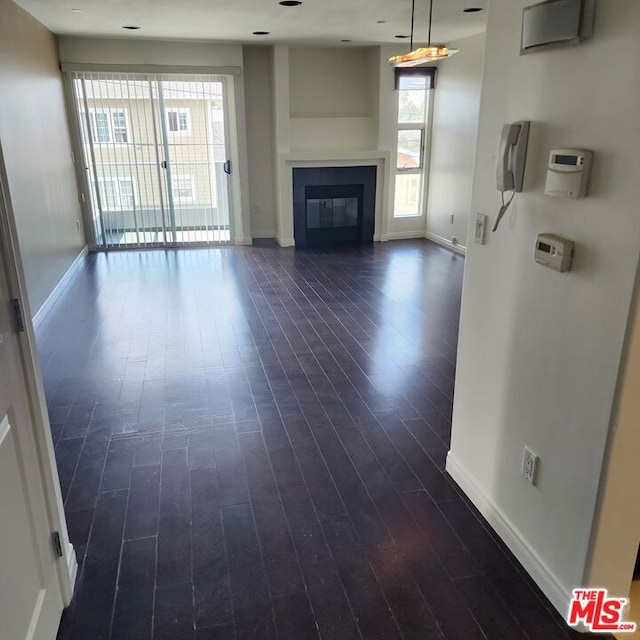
318, 21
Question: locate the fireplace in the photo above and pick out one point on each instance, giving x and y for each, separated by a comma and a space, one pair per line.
333, 206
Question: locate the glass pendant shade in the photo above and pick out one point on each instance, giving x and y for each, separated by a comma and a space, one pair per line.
423, 55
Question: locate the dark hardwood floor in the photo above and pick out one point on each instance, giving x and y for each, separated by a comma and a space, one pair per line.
251, 444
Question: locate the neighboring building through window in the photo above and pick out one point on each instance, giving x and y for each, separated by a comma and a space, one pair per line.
179, 120
108, 126
117, 193
183, 188
413, 113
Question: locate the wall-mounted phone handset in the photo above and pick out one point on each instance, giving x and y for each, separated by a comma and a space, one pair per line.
512, 154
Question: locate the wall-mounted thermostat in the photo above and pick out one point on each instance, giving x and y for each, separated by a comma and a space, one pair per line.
554, 251
568, 173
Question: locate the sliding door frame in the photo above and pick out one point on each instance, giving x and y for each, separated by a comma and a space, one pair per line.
235, 187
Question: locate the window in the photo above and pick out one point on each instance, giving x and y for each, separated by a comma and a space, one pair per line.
183, 189
107, 126
179, 121
117, 194
413, 114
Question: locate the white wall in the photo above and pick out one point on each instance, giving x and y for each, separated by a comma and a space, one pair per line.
37, 154
330, 82
539, 351
207, 56
453, 141
258, 84
332, 98
149, 52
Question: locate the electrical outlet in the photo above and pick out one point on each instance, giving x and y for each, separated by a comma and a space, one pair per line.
451, 217
529, 465
481, 225
454, 240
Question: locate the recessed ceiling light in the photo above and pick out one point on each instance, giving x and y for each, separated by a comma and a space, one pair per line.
76, 10
290, 3
131, 27
346, 40
402, 36
381, 22
261, 33
473, 9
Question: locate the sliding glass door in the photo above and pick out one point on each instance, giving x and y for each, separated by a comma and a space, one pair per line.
156, 154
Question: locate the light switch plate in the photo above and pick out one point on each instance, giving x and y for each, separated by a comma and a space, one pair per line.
480, 228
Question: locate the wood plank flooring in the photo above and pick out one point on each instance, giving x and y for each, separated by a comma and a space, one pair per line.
251, 444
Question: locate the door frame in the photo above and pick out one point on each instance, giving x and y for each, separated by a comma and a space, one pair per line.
67, 564
236, 139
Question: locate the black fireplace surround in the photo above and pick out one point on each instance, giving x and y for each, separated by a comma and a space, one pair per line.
334, 206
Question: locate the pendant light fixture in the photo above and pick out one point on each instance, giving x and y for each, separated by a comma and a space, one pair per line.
422, 55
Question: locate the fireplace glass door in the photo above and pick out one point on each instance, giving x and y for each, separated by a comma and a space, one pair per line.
333, 214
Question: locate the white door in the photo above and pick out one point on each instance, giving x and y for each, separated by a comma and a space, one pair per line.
30, 596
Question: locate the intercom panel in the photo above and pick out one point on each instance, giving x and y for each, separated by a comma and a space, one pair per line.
512, 155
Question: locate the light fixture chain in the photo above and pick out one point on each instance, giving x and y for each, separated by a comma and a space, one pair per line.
430, 17
413, 15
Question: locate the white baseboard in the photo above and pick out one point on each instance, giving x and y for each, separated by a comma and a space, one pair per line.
401, 235
262, 235
42, 312
243, 241
284, 242
458, 248
552, 587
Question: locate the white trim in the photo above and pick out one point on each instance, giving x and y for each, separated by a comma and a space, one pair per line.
284, 242
30, 365
401, 235
262, 235
42, 312
288, 162
243, 241
552, 587
151, 68
72, 563
425, 152
458, 248
36, 614
328, 158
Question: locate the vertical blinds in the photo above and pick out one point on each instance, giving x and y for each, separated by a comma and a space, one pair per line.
155, 150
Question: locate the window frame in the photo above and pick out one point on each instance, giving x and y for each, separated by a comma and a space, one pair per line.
118, 180
425, 149
180, 200
111, 128
178, 110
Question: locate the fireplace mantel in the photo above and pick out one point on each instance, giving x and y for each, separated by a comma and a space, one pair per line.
294, 159
350, 157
